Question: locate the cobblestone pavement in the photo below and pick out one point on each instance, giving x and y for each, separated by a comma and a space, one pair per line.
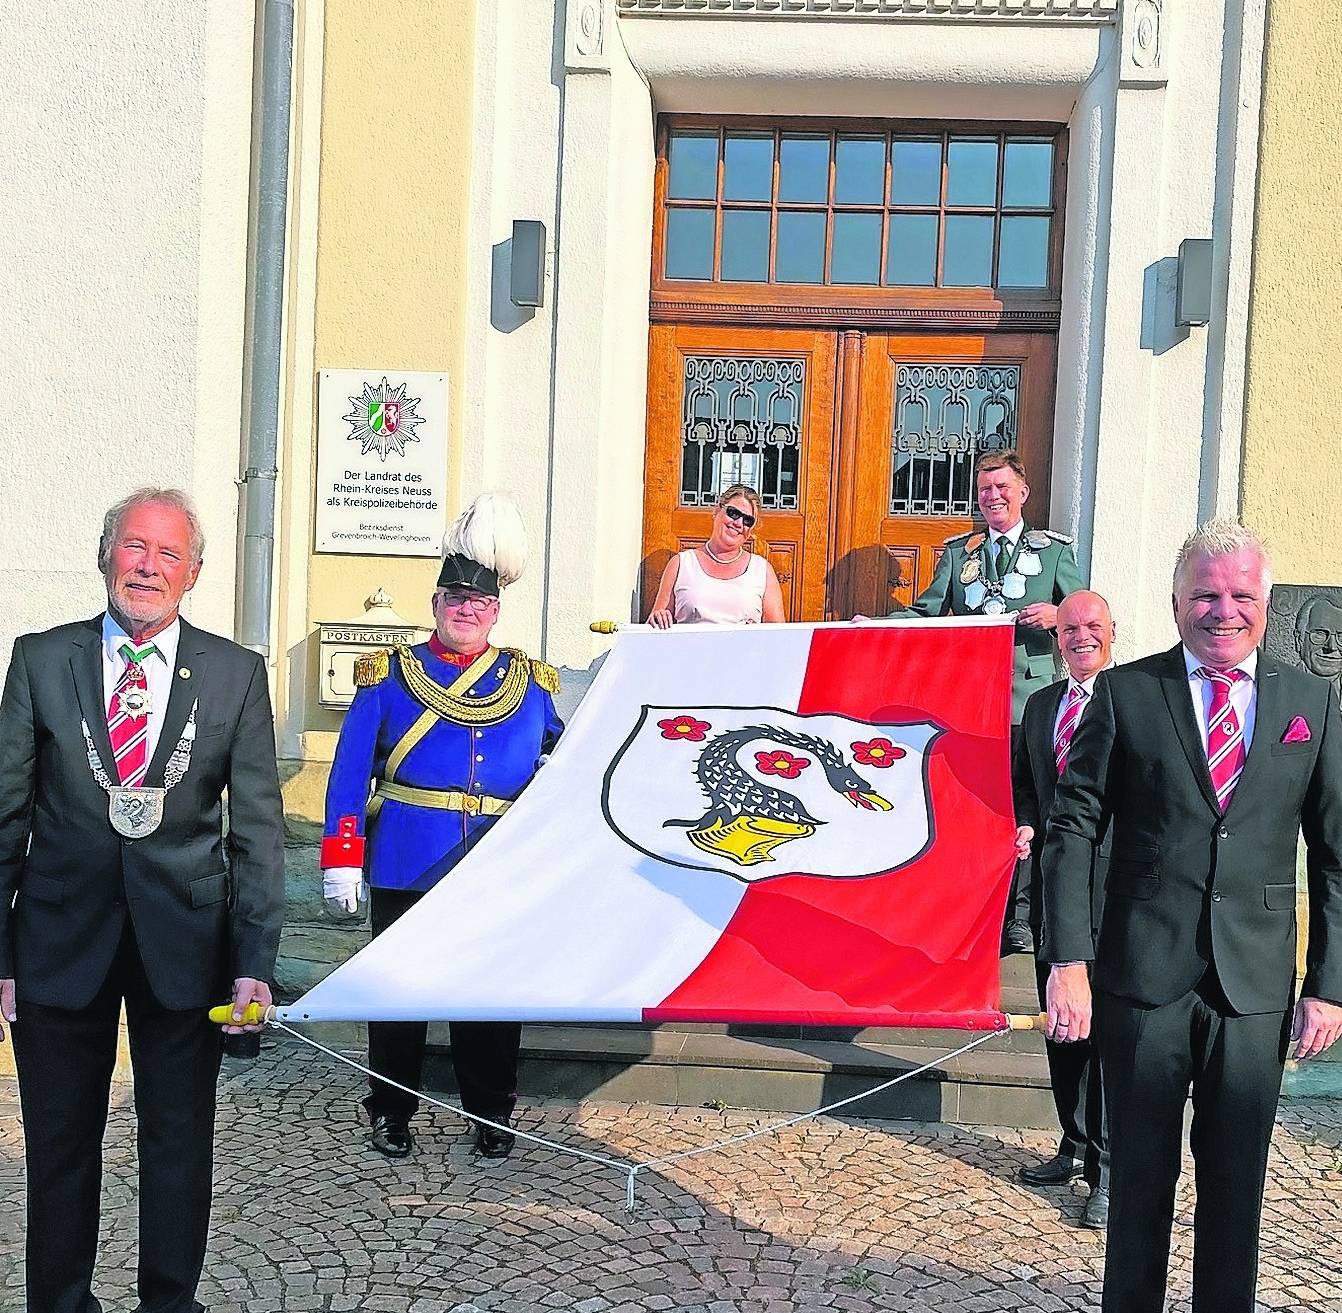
837, 1214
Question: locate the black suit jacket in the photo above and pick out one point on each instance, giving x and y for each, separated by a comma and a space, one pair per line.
1034, 778
205, 909
1187, 886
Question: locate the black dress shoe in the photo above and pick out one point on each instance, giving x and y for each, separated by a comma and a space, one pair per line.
391, 1135
1096, 1212
1058, 1170
491, 1142
1016, 937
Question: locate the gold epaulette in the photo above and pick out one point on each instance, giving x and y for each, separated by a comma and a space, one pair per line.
544, 675
371, 668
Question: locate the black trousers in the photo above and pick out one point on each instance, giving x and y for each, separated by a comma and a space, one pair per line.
484, 1053
1019, 905
1078, 1095
1151, 1056
65, 1060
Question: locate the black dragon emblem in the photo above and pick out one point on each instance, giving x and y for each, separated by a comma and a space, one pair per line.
746, 819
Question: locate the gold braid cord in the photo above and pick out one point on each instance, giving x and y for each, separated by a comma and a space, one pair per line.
488, 710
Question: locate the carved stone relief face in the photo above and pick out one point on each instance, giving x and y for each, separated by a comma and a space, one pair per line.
1318, 637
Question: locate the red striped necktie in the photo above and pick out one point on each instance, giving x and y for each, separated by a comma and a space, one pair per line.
1062, 737
1225, 735
128, 716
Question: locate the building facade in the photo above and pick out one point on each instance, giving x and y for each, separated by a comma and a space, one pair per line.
831, 247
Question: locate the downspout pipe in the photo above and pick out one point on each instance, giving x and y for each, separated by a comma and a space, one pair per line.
263, 382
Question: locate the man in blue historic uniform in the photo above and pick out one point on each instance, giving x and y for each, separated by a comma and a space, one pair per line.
1008, 567
447, 733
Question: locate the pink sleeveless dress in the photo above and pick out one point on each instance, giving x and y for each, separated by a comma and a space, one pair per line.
699, 598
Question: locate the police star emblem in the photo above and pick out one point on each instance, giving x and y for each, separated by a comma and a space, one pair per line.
383, 419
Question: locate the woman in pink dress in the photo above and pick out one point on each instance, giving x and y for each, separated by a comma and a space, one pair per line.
722, 582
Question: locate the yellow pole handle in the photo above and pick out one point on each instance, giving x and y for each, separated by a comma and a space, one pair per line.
604, 626
253, 1015
1038, 1021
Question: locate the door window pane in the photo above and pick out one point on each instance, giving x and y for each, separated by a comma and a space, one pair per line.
745, 246
968, 258
971, 173
694, 166
742, 424
748, 167
856, 253
915, 172
859, 170
800, 257
1027, 174
944, 415
803, 169
911, 251
689, 243
1023, 260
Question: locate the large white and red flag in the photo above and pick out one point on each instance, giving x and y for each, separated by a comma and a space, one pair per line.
802, 824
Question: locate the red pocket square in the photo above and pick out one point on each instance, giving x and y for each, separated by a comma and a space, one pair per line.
1297, 731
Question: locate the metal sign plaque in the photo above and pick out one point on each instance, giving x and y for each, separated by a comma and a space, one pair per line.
381, 462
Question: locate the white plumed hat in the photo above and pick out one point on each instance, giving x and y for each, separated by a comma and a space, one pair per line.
485, 547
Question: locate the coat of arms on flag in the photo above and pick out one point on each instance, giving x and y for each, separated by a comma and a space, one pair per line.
760, 791
793, 823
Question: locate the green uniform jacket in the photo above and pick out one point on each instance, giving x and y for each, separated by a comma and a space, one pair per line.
1036, 654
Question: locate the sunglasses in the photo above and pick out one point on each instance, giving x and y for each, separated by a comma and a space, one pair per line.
454, 599
740, 516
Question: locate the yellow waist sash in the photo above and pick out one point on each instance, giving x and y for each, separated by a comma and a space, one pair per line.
450, 800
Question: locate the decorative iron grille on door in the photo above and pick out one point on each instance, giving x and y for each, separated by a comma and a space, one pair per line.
742, 424
944, 417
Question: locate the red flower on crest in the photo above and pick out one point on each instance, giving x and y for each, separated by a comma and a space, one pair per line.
684, 727
880, 753
781, 762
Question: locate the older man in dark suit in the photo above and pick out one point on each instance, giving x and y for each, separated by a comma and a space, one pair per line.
1211, 758
1086, 640
118, 738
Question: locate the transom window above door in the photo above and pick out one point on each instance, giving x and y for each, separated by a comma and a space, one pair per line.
847, 208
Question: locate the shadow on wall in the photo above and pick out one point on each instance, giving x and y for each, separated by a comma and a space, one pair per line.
1159, 284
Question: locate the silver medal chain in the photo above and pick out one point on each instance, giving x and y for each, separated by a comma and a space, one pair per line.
178, 763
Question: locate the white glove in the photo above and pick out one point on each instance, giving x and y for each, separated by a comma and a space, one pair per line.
342, 889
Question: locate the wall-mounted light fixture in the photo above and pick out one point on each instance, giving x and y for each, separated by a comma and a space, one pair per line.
526, 277
1193, 286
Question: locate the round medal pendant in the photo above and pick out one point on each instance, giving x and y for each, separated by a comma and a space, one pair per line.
994, 606
135, 702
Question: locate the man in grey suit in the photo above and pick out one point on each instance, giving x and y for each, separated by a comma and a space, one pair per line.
119, 736
1211, 759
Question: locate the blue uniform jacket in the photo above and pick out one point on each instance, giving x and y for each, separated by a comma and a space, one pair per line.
407, 846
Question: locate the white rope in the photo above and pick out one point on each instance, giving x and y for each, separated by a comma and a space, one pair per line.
449, 1107
631, 1170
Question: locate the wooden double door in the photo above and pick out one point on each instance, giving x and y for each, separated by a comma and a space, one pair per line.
861, 446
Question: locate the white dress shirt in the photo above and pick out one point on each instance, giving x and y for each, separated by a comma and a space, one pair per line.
1012, 536
158, 668
1087, 687
1243, 695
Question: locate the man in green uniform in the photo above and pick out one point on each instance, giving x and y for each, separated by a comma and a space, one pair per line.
1008, 567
